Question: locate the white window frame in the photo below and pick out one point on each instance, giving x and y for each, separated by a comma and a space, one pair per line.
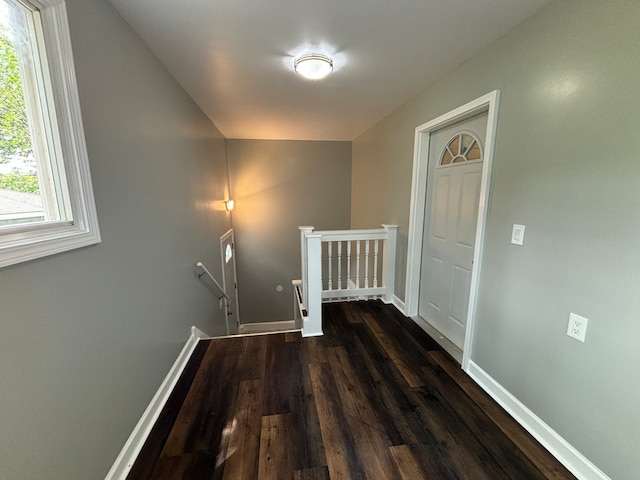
26, 242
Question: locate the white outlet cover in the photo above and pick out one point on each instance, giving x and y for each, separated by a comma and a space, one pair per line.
517, 235
577, 327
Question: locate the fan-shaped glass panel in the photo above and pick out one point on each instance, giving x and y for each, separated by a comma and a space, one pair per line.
463, 147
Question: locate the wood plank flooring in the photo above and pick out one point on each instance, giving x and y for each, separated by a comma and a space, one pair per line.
374, 398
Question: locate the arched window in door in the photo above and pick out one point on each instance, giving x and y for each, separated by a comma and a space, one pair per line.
463, 147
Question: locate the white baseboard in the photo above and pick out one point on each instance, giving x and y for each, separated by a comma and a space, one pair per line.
121, 467
309, 332
399, 304
266, 327
196, 332
566, 454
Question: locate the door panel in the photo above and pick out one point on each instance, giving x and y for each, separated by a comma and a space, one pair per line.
451, 214
460, 294
440, 208
433, 292
468, 212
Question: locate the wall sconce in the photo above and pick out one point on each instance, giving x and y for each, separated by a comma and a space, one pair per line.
228, 204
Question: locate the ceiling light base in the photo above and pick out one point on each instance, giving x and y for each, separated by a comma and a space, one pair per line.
313, 66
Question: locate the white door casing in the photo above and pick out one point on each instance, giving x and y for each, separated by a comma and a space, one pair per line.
229, 277
454, 178
487, 103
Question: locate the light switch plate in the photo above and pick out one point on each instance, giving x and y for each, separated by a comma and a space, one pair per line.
517, 235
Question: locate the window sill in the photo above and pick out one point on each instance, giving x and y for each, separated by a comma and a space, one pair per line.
23, 247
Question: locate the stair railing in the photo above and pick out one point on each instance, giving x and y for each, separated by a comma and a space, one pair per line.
343, 265
201, 271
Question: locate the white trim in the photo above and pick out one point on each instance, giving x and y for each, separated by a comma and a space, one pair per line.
389, 262
351, 293
566, 454
199, 334
257, 334
488, 103
310, 328
352, 235
127, 457
312, 323
351, 286
269, 327
17, 246
399, 304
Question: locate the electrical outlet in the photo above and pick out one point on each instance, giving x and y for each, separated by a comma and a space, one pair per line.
577, 327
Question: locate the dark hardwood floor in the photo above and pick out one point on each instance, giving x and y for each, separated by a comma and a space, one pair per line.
374, 398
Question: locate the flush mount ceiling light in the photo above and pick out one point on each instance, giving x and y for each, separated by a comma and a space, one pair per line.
313, 66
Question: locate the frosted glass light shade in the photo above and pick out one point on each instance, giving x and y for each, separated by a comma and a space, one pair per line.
313, 66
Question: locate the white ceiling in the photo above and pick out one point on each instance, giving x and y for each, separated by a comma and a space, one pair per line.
235, 57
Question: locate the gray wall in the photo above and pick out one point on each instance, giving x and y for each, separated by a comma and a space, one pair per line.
86, 337
277, 186
566, 165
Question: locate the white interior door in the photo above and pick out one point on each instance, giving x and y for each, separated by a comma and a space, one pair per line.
229, 280
453, 190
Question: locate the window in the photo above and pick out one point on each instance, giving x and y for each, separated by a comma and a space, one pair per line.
463, 147
46, 196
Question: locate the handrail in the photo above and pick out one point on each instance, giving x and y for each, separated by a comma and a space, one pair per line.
206, 272
346, 235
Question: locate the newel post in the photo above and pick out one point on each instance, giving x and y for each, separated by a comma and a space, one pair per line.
303, 263
389, 273
313, 325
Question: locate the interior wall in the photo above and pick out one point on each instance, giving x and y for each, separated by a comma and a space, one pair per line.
566, 165
87, 336
277, 186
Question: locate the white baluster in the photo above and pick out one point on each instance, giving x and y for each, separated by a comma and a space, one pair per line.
339, 265
357, 263
366, 263
348, 263
375, 264
329, 269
